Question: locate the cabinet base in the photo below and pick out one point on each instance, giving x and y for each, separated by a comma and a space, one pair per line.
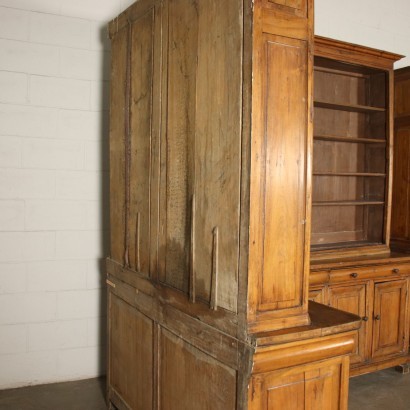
374, 367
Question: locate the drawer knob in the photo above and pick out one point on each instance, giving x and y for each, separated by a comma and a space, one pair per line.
395, 270
354, 275
365, 319
377, 317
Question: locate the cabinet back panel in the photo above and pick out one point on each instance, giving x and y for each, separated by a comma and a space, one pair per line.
337, 224
341, 123
331, 188
339, 88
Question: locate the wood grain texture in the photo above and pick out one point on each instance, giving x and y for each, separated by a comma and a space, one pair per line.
131, 343
279, 185
117, 145
182, 28
354, 299
213, 387
400, 223
390, 318
142, 77
218, 146
316, 386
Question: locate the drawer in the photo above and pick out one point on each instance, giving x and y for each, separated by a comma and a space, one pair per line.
368, 272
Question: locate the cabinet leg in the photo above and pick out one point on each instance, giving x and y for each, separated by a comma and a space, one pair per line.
403, 368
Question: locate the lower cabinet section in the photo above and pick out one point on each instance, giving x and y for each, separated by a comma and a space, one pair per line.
190, 379
315, 386
171, 362
152, 368
383, 306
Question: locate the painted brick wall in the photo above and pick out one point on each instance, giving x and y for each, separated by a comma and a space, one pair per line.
54, 67
54, 64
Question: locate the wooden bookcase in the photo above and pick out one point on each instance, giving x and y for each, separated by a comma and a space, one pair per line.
354, 267
350, 155
210, 204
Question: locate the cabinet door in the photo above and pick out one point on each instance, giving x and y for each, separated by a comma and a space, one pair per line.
318, 386
353, 299
390, 335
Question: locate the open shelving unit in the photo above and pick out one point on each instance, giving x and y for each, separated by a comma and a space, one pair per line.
350, 155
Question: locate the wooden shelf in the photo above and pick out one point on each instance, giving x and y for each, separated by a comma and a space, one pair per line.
348, 107
336, 138
347, 203
349, 174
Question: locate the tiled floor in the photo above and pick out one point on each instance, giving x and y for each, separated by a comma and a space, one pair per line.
383, 390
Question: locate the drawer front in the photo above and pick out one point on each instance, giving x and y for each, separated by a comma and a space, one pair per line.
343, 275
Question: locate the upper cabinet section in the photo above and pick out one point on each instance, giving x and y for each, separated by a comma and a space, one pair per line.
353, 141
280, 183
176, 138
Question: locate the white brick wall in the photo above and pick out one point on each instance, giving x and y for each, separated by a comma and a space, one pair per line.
374, 23
54, 67
54, 72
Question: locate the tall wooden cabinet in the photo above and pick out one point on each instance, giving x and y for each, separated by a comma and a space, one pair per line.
211, 142
358, 263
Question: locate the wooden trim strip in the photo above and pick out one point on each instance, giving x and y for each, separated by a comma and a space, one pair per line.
127, 147
192, 275
109, 283
215, 268
137, 242
353, 53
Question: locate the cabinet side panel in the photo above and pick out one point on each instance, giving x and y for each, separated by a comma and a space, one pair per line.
142, 37
131, 353
284, 179
401, 195
218, 148
117, 144
180, 131
190, 379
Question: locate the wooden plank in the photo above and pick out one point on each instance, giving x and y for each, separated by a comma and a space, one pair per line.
142, 45
117, 144
179, 142
281, 145
348, 107
217, 156
285, 145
